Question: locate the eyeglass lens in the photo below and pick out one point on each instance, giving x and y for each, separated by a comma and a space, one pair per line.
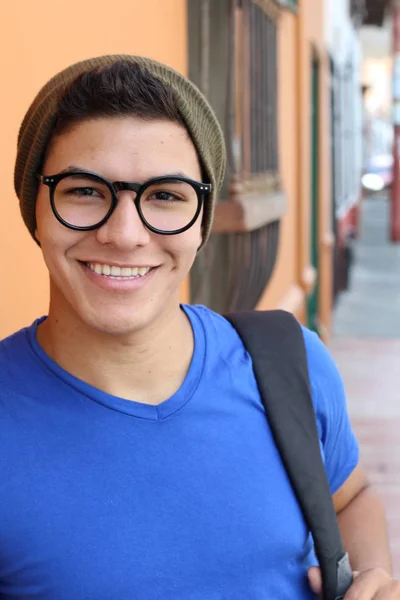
84, 201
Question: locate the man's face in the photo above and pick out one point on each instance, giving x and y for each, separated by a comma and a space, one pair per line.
119, 149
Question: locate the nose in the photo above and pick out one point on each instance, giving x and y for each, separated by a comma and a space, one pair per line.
124, 229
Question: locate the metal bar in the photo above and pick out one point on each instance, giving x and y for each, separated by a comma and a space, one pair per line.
274, 100
260, 91
272, 108
232, 146
270, 94
246, 88
205, 47
265, 59
257, 98
267, 93
253, 87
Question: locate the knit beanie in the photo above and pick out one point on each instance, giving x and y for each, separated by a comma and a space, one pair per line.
38, 123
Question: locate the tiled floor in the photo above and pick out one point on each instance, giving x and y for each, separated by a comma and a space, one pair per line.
366, 346
371, 374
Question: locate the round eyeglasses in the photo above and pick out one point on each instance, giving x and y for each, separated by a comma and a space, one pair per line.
166, 205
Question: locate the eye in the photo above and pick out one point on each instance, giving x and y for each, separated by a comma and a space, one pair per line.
164, 195
84, 191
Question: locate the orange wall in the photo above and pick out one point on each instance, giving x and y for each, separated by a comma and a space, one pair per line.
283, 281
312, 42
300, 36
36, 42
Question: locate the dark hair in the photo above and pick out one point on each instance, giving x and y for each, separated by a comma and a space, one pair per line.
121, 89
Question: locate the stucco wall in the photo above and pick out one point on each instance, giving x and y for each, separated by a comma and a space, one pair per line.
301, 37
283, 281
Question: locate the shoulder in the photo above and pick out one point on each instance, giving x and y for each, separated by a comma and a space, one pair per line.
322, 367
214, 324
223, 345
207, 316
339, 444
9, 346
15, 359
326, 383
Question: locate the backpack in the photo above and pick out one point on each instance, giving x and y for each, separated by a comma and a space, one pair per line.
275, 342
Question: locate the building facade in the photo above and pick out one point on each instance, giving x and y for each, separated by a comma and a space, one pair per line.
266, 67
343, 19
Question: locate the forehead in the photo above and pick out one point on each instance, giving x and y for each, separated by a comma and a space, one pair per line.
124, 147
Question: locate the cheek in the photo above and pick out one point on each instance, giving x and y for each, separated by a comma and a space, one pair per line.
184, 246
47, 225
53, 237
40, 215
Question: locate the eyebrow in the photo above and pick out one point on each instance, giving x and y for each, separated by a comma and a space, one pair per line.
72, 168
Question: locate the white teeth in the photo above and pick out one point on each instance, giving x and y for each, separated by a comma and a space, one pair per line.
120, 272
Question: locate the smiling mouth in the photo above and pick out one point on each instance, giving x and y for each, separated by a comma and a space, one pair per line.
118, 273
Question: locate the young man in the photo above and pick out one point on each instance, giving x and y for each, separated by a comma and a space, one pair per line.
136, 459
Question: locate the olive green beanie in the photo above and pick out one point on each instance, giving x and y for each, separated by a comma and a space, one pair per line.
36, 130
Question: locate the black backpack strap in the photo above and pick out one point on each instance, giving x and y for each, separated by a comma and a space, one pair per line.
275, 342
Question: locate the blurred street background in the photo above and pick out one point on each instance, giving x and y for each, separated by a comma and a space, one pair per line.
308, 95
366, 347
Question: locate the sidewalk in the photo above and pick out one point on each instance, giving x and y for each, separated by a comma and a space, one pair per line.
366, 346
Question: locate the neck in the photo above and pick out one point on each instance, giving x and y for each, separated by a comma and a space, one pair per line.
147, 366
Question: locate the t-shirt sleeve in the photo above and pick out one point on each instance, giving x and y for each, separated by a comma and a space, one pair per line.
338, 443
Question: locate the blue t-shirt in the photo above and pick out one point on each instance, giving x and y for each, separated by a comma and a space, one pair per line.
102, 498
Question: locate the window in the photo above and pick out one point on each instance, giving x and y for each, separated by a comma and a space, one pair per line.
233, 59
347, 126
262, 116
252, 137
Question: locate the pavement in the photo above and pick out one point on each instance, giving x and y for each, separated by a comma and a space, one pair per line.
366, 347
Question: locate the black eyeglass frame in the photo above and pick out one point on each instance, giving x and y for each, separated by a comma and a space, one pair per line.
202, 190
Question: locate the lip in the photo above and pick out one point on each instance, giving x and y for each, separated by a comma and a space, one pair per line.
116, 285
117, 264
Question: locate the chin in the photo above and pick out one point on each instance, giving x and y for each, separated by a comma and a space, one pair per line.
114, 323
